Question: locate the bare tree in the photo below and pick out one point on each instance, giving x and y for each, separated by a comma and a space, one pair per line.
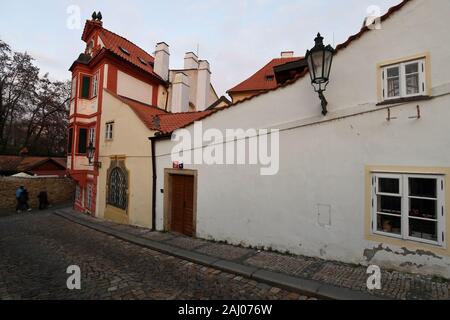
33, 109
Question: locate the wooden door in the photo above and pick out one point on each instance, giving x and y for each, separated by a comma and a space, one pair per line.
182, 219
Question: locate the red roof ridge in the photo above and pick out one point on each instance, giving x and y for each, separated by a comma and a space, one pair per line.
130, 42
254, 82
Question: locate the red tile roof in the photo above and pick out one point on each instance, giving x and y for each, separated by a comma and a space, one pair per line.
160, 120
113, 42
171, 122
258, 81
25, 164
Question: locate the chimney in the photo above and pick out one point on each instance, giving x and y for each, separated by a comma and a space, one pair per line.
203, 85
180, 93
190, 61
162, 56
287, 54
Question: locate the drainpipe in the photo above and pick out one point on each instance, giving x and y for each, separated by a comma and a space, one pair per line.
155, 175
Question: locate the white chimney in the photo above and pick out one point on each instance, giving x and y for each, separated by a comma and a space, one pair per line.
190, 61
162, 57
287, 54
203, 85
180, 93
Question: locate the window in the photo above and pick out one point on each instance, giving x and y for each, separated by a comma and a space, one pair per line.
78, 194
70, 142
82, 140
73, 87
109, 131
89, 196
85, 87
92, 136
270, 78
124, 51
142, 61
409, 207
117, 191
94, 89
404, 80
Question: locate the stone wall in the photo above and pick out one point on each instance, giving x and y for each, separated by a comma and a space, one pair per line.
60, 190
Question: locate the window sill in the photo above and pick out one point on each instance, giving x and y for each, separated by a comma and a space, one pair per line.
410, 241
404, 100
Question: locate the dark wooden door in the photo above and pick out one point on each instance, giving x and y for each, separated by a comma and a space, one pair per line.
182, 220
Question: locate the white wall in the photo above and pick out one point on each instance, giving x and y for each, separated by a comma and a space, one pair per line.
323, 162
133, 88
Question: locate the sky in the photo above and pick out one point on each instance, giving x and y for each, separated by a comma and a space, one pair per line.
237, 37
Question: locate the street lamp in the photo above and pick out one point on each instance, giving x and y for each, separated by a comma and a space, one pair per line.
91, 154
319, 61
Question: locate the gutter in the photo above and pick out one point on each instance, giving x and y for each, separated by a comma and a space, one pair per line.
153, 140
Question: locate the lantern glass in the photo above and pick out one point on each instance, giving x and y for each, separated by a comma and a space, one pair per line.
90, 152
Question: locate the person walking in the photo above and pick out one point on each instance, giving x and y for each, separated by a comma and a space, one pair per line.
43, 200
18, 198
24, 197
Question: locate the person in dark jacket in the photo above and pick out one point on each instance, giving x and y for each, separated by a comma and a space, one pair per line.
18, 195
43, 200
24, 197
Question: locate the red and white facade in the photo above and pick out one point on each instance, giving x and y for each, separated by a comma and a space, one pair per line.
111, 62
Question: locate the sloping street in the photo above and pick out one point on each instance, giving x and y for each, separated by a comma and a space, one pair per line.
36, 249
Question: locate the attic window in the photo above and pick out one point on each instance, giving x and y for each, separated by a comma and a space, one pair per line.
142, 61
124, 50
270, 77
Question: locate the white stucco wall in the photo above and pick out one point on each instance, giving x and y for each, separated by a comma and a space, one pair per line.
131, 142
133, 88
323, 162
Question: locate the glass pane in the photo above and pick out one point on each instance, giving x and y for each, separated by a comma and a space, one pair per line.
412, 68
318, 63
412, 83
393, 72
425, 188
393, 87
328, 57
389, 185
391, 205
423, 208
427, 230
389, 224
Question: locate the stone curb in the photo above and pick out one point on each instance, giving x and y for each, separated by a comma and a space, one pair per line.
302, 286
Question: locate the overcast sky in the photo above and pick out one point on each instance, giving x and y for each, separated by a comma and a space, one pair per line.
236, 36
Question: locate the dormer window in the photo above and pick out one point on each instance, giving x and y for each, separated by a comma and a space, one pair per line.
270, 77
142, 61
124, 51
90, 48
404, 80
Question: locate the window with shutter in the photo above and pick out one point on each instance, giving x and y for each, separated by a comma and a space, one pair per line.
85, 87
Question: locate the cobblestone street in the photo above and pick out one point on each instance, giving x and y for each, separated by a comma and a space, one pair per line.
36, 249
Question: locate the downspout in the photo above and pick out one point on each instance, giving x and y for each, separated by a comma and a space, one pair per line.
155, 175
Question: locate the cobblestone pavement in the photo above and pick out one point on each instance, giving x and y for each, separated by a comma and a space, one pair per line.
395, 285
36, 249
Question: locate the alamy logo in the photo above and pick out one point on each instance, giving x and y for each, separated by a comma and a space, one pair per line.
234, 147
374, 280
74, 281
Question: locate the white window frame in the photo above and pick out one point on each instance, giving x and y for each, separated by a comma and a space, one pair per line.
402, 78
94, 88
92, 135
109, 134
404, 193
